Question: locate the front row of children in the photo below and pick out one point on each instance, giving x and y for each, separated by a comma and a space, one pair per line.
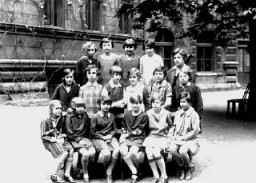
150, 133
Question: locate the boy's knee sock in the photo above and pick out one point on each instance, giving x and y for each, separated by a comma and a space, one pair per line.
68, 165
153, 166
129, 163
84, 161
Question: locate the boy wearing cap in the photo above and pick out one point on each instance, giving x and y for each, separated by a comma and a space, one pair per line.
128, 60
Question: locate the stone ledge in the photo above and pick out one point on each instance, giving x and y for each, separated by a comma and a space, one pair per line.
219, 86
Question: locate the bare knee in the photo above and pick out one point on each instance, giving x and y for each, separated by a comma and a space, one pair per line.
123, 150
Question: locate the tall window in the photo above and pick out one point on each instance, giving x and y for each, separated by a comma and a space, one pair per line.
54, 11
125, 22
205, 53
93, 14
244, 60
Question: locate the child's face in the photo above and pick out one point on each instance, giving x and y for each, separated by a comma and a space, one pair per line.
92, 75
116, 77
133, 78
106, 47
136, 106
90, 51
57, 110
129, 49
183, 77
184, 104
159, 76
79, 109
156, 104
178, 60
149, 51
69, 79
105, 106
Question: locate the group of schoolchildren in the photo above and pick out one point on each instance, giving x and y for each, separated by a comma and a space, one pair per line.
126, 107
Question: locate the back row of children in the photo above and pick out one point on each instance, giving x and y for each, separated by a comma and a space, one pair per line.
131, 106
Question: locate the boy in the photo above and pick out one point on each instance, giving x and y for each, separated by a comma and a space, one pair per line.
149, 62
78, 133
116, 92
106, 60
67, 90
161, 87
128, 60
54, 141
103, 129
91, 91
185, 141
89, 49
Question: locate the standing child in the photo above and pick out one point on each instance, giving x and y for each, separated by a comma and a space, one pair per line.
67, 90
91, 91
54, 141
160, 128
185, 140
149, 62
116, 92
133, 134
161, 87
103, 129
128, 60
194, 91
78, 133
106, 60
89, 49
136, 87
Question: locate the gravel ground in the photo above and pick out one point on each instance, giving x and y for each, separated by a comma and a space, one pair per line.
227, 152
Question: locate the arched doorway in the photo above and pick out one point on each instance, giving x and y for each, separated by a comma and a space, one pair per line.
164, 45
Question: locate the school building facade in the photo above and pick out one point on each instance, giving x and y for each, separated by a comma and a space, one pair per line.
38, 38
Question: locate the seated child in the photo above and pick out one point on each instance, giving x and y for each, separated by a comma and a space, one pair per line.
78, 133
160, 128
67, 90
91, 91
103, 129
185, 143
133, 134
54, 141
116, 92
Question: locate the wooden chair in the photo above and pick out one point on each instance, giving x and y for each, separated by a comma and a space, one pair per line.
238, 107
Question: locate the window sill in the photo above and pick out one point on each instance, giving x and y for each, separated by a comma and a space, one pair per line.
208, 74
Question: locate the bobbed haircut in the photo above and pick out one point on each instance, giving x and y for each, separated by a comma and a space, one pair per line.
181, 51
136, 98
156, 97
130, 42
104, 99
115, 69
134, 71
90, 67
189, 72
87, 45
106, 40
78, 101
150, 43
160, 69
65, 73
185, 95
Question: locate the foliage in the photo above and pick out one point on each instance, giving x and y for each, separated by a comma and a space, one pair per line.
225, 20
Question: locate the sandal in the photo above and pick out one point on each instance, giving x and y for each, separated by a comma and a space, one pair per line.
68, 178
134, 178
56, 178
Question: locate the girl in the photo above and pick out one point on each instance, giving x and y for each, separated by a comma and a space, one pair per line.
185, 140
106, 60
78, 133
179, 58
136, 87
67, 90
133, 134
54, 141
160, 127
103, 129
149, 62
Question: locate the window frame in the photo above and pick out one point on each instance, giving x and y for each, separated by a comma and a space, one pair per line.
212, 58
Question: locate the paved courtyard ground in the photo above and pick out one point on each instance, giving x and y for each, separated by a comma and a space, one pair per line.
227, 152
